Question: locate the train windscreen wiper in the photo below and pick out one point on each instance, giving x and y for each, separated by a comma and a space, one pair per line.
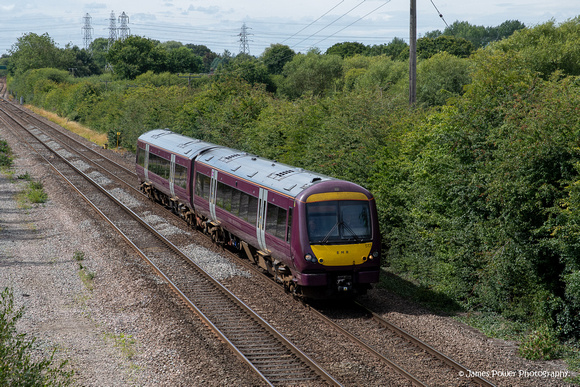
325, 240
347, 227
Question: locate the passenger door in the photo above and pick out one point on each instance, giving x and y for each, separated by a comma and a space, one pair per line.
261, 220
213, 194
172, 176
146, 164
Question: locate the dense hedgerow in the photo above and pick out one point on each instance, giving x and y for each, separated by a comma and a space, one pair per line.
478, 186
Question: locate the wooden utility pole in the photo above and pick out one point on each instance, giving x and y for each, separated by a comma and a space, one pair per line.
413, 54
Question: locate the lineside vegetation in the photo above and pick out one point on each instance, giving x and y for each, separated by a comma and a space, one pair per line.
478, 186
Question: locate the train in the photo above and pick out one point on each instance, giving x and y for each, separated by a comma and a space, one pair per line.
317, 235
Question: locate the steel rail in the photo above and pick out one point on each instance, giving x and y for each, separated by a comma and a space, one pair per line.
243, 355
426, 347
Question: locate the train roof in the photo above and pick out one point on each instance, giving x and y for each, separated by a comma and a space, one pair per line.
275, 176
176, 143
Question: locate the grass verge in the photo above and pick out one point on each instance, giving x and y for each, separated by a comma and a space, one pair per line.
98, 138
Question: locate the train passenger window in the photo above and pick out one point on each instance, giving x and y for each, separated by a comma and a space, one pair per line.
224, 197
244, 205
219, 196
236, 198
272, 218
180, 176
281, 224
202, 183
276, 221
252, 209
159, 166
141, 157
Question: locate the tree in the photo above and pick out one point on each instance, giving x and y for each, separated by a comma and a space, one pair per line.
98, 49
248, 68
183, 60
548, 47
32, 51
80, 62
171, 45
136, 55
347, 49
205, 53
427, 47
441, 77
479, 36
276, 56
312, 73
394, 49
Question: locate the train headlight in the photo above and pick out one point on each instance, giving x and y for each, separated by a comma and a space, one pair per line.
375, 254
310, 258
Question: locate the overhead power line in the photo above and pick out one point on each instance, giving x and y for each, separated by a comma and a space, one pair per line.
440, 14
326, 13
331, 23
356, 21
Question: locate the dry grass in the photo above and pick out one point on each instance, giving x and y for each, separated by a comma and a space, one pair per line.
98, 138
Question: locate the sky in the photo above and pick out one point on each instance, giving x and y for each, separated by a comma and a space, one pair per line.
300, 24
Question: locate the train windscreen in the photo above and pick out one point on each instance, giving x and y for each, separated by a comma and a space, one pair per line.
338, 221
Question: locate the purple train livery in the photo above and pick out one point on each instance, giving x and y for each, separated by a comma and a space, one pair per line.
317, 235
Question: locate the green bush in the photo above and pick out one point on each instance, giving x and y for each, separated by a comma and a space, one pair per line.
540, 344
17, 367
5, 155
35, 192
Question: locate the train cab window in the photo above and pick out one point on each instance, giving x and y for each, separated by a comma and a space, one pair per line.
338, 221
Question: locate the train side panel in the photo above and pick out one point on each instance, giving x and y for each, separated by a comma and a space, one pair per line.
168, 173
236, 208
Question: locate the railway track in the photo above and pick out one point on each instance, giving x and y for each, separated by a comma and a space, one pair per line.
228, 329
274, 358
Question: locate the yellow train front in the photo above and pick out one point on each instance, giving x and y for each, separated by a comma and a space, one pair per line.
337, 250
